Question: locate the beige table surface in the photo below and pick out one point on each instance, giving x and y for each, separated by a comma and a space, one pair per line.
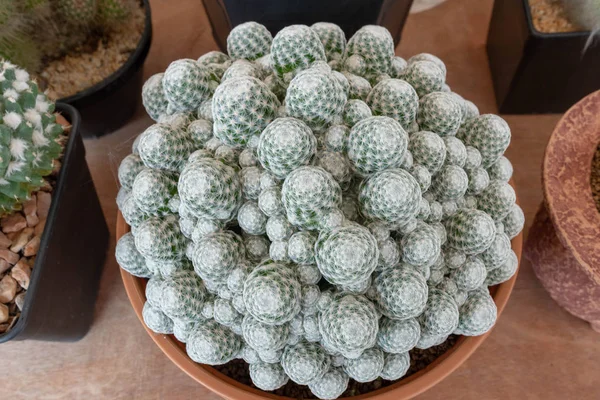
536, 351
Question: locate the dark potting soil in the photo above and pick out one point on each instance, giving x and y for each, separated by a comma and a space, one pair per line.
595, 177
419, 360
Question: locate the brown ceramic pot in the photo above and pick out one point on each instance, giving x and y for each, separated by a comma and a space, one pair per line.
233, 390
564, 241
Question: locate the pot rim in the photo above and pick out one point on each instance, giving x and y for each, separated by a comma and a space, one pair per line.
140, 53
566, 171
233, 390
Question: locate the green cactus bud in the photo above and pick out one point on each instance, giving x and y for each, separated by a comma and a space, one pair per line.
285, 144
497, 199
316, 97
272, 294
309, 193
333, 39
159, 238
249, 40
305, 362
210, 188
213, 344
396, 99
489, 134
186, 84
440, 113
331, 385
349, 313
294, 48
477, 315
242, 107
28, 134
346, 255
268, 376
392, 196
376, 144
396, 336
376, 45
156, 320
129, 258
367, 367
401, 293
470, 231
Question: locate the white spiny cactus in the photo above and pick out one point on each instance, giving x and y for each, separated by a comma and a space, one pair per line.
372, 206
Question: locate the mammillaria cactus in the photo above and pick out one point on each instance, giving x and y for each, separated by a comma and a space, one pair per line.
294, 48
242, 107
316, 209
249, 41
29, 131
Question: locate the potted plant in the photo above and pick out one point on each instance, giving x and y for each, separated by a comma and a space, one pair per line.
275, 15
53, 234
543, 55
563, 240
87, 53
293, 229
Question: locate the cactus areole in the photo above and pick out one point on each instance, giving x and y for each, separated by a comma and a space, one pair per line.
316, 206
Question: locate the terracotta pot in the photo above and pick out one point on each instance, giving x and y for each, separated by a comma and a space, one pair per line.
233, 390
564, 240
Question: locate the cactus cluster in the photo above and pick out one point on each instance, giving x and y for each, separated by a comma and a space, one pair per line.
28, 133
316, 208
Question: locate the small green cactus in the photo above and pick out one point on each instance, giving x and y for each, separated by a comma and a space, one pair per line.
305, 362
294, 48
272, 294
346, 255
213, 344
284, 145
394, 98
315, 97
376, 144
401, 293
309, 193
397, 337
249, 40
28, 134
333, 39
242, 107
376, 46
341, 316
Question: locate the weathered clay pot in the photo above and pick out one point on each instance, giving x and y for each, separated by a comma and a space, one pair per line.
564, 241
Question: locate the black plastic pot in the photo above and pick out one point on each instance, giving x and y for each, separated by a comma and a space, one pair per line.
350, 15
537, 72
59, 304
108, 105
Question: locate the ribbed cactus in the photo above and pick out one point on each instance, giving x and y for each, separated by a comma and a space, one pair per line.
28, 134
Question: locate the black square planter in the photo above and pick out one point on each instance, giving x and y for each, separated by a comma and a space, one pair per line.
350, 15
537, 72
59, 304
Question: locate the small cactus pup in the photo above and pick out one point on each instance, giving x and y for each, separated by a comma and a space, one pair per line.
316, 208
28, 134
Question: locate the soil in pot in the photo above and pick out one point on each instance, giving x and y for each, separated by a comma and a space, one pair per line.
550, 16
80, 43
419, 360
20, 236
